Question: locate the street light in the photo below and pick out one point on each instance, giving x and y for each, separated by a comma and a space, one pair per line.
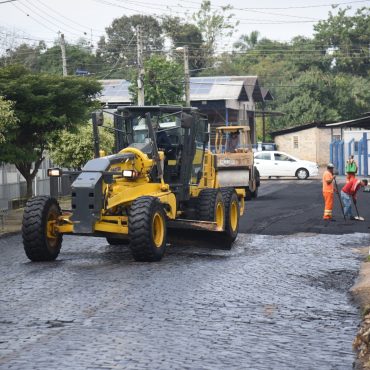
185, 50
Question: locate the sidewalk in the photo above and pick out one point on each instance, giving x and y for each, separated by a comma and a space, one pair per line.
13, 219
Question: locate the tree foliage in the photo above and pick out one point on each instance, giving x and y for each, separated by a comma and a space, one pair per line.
44, 105
214, 24
118, 47
163, 82
7, 117
324, 77
40, 59
182, 33
348, 38
74, 149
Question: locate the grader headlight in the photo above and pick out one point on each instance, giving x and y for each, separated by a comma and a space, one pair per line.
129, 174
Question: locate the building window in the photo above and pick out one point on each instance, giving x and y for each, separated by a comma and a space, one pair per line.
295, 142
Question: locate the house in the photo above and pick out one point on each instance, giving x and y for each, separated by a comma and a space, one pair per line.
309, 142
328, 142
224, 99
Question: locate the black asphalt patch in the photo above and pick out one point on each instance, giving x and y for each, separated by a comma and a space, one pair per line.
286, 207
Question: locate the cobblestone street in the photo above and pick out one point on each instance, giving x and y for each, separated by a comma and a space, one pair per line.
271, 302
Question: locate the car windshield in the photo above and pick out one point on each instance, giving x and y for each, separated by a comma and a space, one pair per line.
263, 156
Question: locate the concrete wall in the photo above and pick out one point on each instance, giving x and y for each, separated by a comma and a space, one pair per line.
323, 146
312, 144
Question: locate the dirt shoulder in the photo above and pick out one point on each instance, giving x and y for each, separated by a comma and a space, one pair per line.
361, 293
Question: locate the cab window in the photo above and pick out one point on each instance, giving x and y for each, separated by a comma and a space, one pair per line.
282, 157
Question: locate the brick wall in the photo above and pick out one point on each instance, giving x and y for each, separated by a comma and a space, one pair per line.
311, 144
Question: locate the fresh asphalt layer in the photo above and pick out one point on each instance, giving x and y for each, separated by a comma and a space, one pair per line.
285, 207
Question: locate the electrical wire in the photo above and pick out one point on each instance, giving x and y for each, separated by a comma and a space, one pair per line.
69, 19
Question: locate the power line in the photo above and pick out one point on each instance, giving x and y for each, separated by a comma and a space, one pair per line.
42, 24
292, 7
69, 19
48, 20
52, 17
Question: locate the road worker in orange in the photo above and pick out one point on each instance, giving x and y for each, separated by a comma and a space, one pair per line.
328, 191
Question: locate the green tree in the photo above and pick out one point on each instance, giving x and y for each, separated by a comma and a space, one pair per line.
39, 58
25, 54
79, 56
348, 39
7, 117
182, 33
317, 96
74, 149
44, 105
247, 42
163, 82
214, 24
118, 49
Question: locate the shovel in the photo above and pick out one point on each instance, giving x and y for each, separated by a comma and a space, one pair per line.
340, 199
358, 217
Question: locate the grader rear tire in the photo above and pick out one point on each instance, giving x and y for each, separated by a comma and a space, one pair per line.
211, 206
38, 245
147, 229
232, 213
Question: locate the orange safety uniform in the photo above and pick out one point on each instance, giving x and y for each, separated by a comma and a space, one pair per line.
328, 194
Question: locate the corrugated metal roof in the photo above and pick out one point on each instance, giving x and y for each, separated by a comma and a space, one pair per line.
243, 88
215, 88
298, 128
363, 122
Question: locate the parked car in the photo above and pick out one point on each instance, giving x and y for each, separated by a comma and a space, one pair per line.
279, 164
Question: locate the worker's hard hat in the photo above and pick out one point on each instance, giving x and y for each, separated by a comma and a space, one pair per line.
330, 165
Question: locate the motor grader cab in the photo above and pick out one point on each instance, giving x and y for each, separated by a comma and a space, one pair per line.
235, 159
162, 176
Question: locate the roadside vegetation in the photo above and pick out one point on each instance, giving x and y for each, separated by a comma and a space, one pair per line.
322, 78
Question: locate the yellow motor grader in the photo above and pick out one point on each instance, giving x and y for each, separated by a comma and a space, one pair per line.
162, 177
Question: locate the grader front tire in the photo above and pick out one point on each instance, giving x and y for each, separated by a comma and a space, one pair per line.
39, 244
147, 229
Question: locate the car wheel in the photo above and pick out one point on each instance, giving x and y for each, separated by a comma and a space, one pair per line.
302, 174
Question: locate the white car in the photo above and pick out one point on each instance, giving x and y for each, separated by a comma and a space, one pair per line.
279, 164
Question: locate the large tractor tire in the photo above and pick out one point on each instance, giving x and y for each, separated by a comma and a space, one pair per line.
117, 241
232, 213
211, 207
40, 245
147, 229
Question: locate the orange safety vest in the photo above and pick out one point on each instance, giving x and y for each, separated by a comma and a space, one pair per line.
327, 176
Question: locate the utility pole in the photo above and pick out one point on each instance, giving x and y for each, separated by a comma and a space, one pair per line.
64, 58
185, 50
187, 75
140, 66
263, 123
